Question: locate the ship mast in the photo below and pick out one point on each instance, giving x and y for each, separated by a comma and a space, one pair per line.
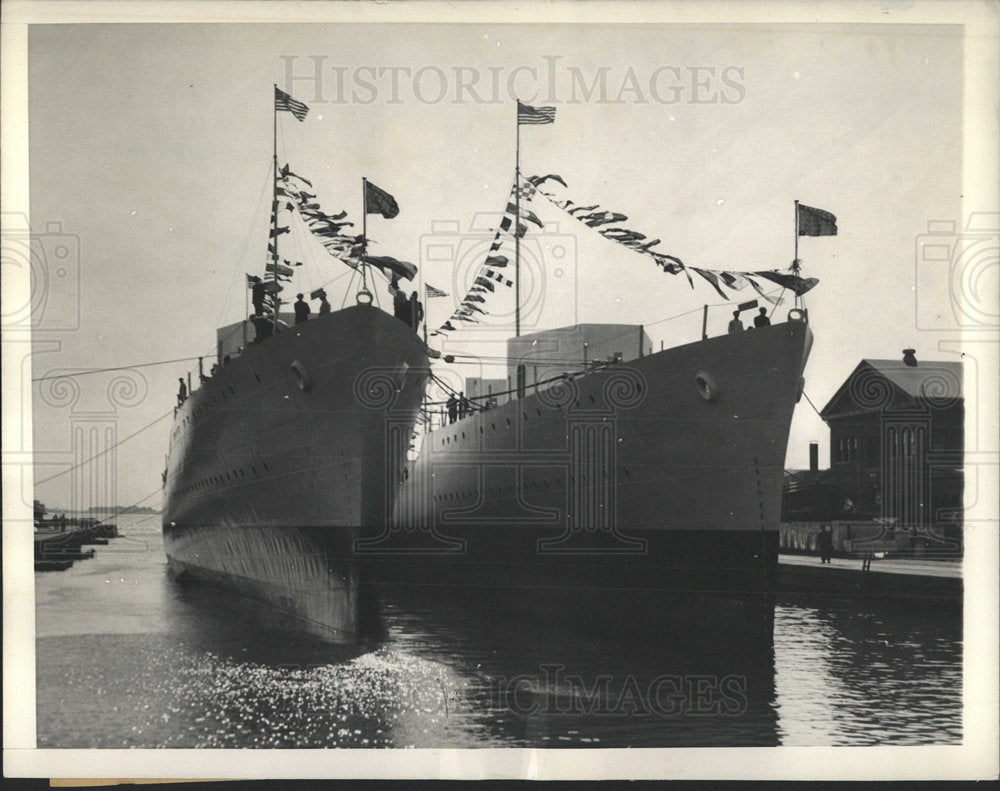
364, 235
275, 301
796, 263
517, 219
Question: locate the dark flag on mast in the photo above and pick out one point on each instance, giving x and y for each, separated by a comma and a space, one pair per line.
378, 201
282, 101
816, 222
526, 114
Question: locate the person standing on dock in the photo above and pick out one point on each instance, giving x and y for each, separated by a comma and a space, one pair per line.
824, 544
735, 325
762, 320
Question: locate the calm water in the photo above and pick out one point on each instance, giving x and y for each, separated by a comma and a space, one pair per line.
128, 657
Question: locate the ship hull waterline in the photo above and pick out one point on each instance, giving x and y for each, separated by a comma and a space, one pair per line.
647, 491
277, 458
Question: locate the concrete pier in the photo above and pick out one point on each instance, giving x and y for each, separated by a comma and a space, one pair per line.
888, 579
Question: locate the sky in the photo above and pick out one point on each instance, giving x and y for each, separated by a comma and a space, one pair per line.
150, 158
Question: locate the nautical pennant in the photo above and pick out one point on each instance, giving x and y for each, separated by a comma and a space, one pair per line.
287, 174
498, 277
822, 224
378, 201
526, 191
815, 222
486, 276
393, 266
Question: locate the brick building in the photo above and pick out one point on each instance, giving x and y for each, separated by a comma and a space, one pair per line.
897, 442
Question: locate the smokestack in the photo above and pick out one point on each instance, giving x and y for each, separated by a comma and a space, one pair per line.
813, 456
910, 357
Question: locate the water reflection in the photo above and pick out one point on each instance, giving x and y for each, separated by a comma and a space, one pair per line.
857, 673
129, 657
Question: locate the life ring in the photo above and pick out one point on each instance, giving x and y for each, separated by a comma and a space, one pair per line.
302, 377
364, 297
707, 387
796, 314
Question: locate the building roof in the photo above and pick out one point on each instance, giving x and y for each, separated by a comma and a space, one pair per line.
936, 382
936, 378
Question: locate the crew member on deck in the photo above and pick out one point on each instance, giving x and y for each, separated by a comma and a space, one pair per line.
324, 306
735, 325
257, 296
302, 310
762, 320
262, 329
182, 392
452, 408
400, 304
416, 311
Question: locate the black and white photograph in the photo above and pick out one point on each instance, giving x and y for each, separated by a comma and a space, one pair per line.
531, 391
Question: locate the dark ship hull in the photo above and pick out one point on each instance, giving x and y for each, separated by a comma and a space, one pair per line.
648, 488
278, 460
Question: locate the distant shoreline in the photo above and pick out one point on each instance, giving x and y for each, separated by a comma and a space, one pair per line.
110, 509
118, 510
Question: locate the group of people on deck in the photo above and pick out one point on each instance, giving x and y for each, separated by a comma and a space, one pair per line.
409, 310
760, 320
459, 407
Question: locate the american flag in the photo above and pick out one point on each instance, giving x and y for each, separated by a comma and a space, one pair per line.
433, 292
526, 114
282, 101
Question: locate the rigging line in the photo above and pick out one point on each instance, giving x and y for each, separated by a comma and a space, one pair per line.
661, 321
679, 315
335, 279
811, 403
347, 291
559, 378
498, 360
117, 368
243, 253
106, 450
133, 505
774, 307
